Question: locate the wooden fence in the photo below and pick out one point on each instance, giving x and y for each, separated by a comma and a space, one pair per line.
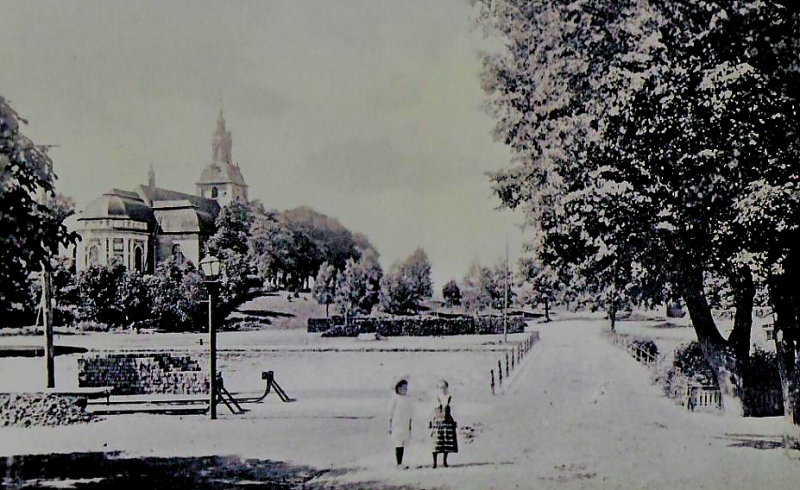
513, 358
695, 397
635, 351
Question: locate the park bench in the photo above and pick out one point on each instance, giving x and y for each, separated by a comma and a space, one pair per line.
185, 404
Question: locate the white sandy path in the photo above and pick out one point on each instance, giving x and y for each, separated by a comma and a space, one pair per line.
584, 415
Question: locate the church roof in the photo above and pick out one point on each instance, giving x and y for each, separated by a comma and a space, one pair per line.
180, 212
208, 206
118, 204
222, 173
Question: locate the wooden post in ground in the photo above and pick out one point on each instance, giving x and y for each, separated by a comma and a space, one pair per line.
500, 372
47, 322
491, 373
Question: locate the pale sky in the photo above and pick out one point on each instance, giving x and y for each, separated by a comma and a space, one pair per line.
368, 111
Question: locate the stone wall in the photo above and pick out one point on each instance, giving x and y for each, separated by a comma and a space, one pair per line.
137, 374
32, 409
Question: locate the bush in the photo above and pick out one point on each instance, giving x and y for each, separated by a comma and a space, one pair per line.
762, 372
689, 360
414, 326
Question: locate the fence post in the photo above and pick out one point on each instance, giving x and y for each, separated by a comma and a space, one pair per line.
506, 363
500, 372
491, 373
512, 358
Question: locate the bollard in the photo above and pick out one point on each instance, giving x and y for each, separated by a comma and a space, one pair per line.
506, 363
512, 359
491, 373
500, 372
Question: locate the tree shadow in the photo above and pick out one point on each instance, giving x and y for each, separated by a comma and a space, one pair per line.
266, 313
480, 463
754, 441
100, 471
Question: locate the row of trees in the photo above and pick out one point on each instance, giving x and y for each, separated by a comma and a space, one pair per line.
361, 285
656, 147
287, 248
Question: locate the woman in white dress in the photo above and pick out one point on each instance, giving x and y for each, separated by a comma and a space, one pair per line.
400, 417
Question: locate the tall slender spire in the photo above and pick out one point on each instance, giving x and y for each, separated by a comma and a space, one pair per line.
222, 143
151, 178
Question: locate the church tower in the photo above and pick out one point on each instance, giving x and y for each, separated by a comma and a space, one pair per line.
222, 180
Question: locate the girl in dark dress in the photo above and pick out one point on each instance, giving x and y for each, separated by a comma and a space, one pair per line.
443, 426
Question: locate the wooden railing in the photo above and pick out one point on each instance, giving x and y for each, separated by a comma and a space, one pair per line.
513, 358
758, 403
635, 351
703, 398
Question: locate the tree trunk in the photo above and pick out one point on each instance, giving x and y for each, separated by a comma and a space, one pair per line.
327, 307
546, 310
716, 350
784, 297
744, 292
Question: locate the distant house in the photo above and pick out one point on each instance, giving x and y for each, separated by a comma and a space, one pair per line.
145, 226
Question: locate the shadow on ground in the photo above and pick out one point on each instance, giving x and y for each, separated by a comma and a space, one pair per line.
755, 441
96, 471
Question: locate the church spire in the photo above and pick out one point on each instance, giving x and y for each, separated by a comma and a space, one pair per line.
222, 144
151, 178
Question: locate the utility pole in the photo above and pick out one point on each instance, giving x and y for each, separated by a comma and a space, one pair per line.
505, 299
47, 314
47, 321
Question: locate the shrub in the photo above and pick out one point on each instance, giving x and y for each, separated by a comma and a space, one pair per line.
415, 326
689, 360
761, 373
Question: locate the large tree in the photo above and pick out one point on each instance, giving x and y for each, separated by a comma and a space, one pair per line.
291, 246
639, 128
325, 286
31, 214
359, 284
407, 284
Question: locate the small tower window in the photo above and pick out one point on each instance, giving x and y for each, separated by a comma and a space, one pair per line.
177, 254
214, 193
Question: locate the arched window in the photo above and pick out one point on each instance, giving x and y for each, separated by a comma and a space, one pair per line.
177, 254
93, 255
214, 192
138, 259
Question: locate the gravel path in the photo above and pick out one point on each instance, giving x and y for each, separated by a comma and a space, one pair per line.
584, 415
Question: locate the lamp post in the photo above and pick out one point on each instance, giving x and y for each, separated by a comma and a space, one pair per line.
210, 266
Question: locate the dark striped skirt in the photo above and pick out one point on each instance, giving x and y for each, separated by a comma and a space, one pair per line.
445, 438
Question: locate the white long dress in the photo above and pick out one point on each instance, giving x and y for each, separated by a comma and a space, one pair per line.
400, 415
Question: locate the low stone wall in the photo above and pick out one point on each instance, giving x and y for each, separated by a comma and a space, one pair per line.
138, 374
32, 409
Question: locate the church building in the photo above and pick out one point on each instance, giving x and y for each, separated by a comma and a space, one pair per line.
147, 225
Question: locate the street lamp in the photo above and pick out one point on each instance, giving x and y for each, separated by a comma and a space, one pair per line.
210, 266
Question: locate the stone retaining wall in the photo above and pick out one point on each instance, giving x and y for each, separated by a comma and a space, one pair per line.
138, 374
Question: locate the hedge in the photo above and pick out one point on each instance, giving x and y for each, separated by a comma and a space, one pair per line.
414, 326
